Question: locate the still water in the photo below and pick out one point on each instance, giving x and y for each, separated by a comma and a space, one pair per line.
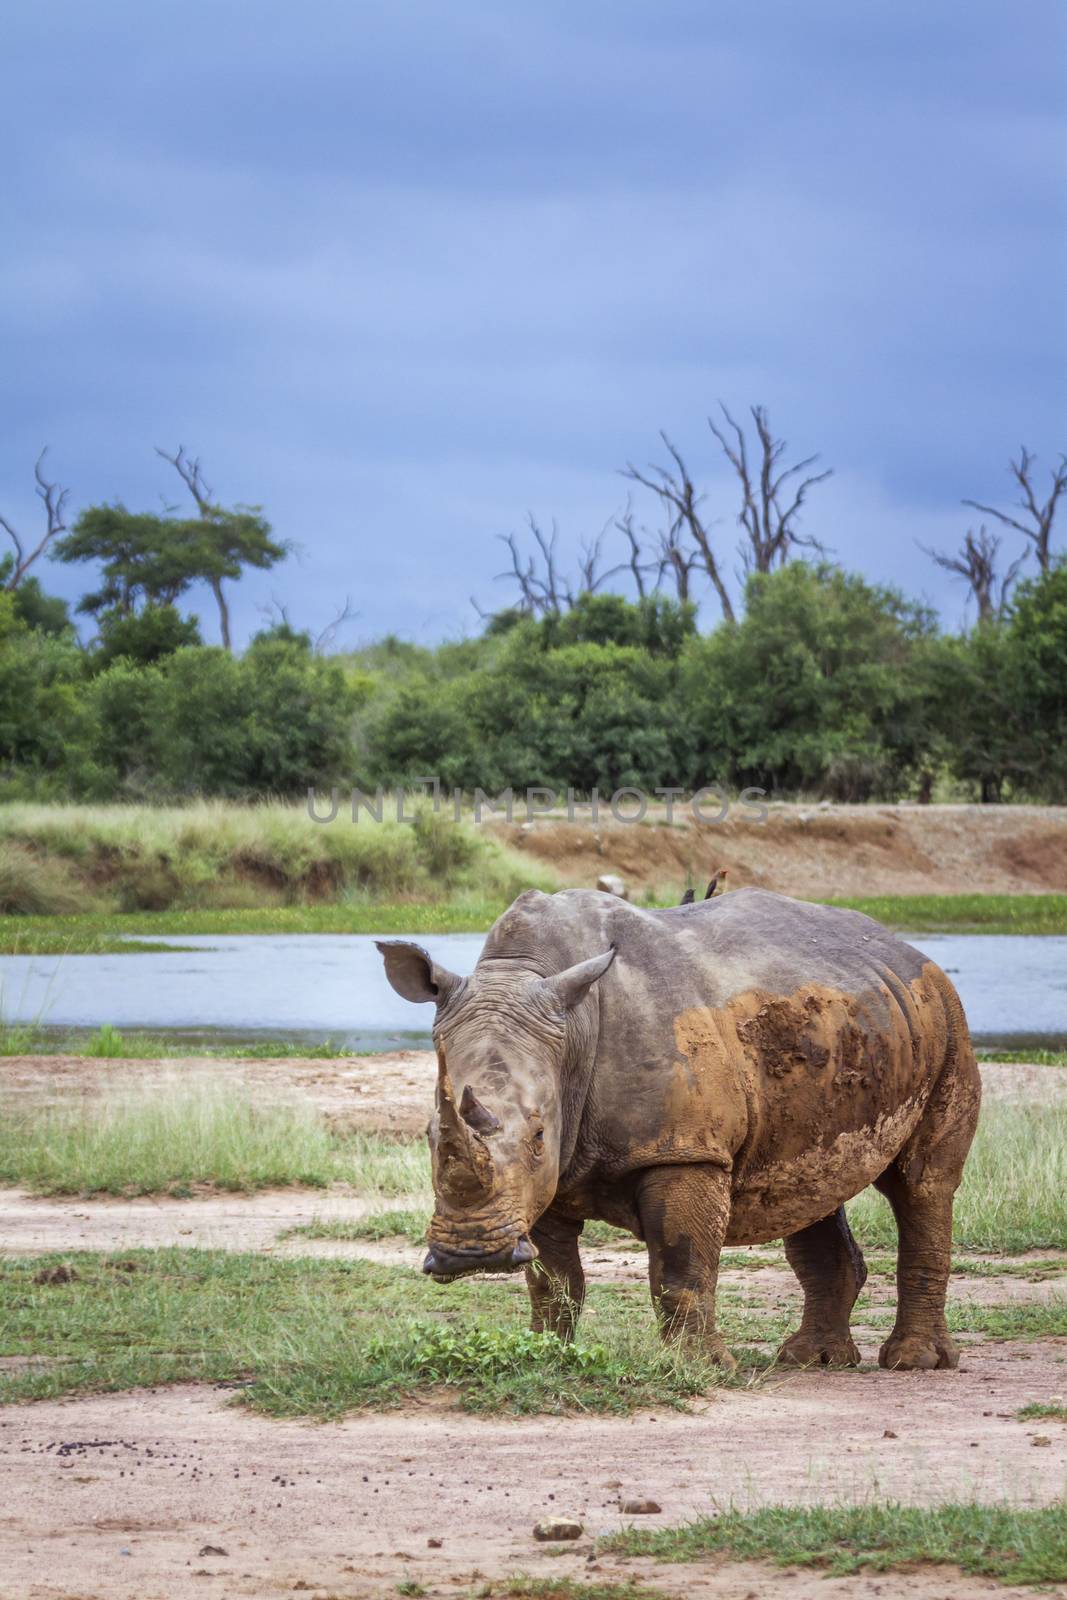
316, 986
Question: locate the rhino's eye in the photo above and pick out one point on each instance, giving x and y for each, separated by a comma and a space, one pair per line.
537, 1139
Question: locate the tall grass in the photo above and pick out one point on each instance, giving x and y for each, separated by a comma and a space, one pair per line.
57, 859
1014, 1190
192, 1132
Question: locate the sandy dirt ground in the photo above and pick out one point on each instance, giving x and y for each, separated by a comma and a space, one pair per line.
170, 1493
121, 1495
814, 851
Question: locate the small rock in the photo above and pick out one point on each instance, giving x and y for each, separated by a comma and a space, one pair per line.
611, 883
640, 1508
613, 1483
557, 1528
434, 1544
1041, 1438
889, 1434
212, 1550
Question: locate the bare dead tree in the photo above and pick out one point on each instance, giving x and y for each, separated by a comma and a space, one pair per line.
669, 556
674, 558
275, 613
1037, 516
638, 566
544, 588
54, 500
677, 494
976, 561
328, 635
772, 498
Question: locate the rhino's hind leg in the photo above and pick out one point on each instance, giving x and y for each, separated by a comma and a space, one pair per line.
684, 1211
920, 1186
828, 1262
555, 1281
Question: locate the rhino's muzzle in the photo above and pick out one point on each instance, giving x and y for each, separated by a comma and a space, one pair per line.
445, 1265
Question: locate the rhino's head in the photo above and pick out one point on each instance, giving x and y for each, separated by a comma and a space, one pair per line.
503, 1039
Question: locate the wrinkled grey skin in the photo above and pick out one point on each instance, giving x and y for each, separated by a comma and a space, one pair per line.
730, 1071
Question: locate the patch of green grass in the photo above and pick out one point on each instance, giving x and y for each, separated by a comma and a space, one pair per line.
129, 934
409, 1225
567, 1589
1003, 1542
321, 1338
21, 1039
107, 1043
965, 913
168, 1138
1050, 1410
412, 1225
1045, 1320
1014, 1191
1038, 1058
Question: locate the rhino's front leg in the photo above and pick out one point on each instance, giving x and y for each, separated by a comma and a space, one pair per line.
684, 1212
555, 1280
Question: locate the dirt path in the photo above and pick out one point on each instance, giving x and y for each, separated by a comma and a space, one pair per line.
347, 1509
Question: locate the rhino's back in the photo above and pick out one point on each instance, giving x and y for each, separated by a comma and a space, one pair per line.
798, 1042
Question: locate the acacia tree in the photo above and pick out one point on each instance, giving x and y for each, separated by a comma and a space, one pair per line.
229, 539
145, 559
14, 568
1036, 517
976, 561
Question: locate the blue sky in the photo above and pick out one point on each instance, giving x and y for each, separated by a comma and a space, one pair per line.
403, 272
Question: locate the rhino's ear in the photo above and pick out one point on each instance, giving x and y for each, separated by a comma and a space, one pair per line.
568, 988
412, 974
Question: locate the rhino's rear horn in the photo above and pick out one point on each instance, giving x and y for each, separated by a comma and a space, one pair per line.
475, 1114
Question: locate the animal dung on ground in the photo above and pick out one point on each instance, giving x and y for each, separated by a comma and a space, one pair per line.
60, 1274
553, 1528
638, 1506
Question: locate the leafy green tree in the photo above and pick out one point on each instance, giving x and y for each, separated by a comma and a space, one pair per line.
42, 730
46, 612
814, 689
1038, 633
143, 636
654, 623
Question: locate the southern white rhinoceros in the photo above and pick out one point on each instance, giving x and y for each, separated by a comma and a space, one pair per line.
725, 1072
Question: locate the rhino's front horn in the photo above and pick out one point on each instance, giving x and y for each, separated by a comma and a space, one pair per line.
465, 1167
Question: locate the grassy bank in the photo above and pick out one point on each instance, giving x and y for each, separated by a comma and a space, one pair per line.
61, 861
79, 878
